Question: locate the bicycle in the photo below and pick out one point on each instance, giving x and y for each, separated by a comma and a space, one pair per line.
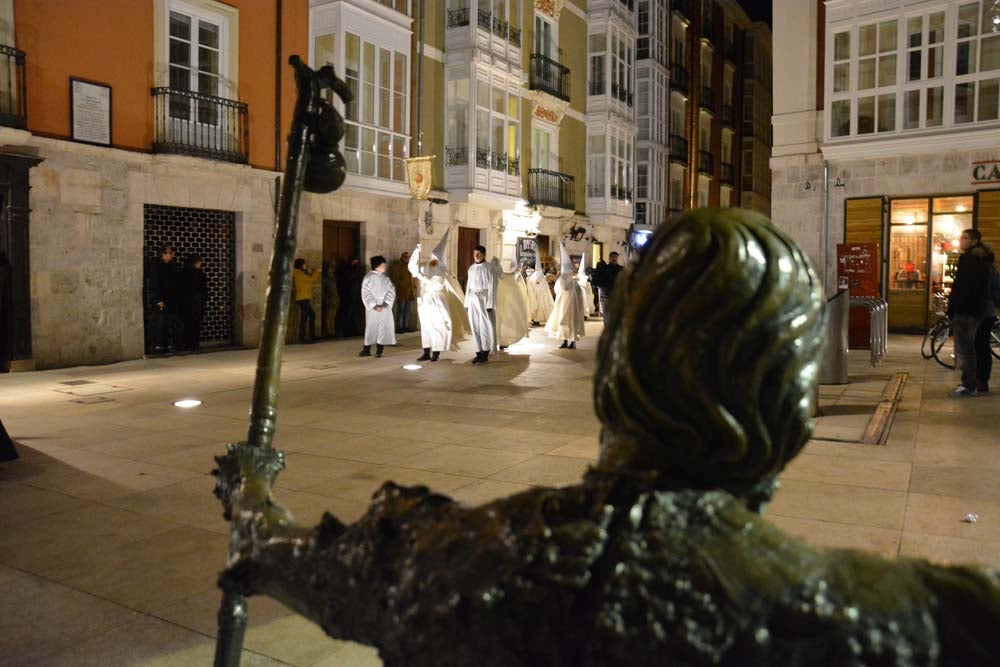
939, 335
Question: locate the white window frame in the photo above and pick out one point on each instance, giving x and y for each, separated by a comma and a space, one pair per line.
947, 82
228, 19
385, 29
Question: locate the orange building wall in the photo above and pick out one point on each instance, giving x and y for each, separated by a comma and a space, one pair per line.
86, 39
104, 41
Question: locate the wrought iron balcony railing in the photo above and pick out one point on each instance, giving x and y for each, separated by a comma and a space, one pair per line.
456, 156
551, 188
679, 78
458, 17
621, 193
727, 173
489, 159
678, 148
484, 20
13, 88
189, 123
706, 162
707, 99
728, 115
622, 94
549, 76
483, 158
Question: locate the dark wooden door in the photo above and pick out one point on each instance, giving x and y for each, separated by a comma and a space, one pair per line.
341, 241
468, 239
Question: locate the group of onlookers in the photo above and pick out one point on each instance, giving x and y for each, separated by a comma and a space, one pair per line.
175, 302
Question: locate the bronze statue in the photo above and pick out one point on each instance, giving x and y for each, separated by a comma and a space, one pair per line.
659, 555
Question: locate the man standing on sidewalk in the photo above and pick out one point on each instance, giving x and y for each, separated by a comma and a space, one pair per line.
302, 281
377, 295
480, 300
604, 280
402, 281
967, 306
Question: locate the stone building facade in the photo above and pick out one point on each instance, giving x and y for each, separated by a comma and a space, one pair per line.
899, 102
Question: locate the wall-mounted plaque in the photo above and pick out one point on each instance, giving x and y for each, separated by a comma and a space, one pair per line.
90, 112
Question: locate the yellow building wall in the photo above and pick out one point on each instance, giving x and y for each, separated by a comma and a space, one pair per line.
573, 156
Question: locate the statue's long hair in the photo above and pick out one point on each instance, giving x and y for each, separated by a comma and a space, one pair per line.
708, 365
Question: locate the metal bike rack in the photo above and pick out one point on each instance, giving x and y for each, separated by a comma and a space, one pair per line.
879, 310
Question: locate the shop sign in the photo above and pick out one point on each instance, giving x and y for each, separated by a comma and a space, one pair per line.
986, 172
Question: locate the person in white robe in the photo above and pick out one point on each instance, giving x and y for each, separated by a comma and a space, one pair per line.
511, 307
377, 296
588, 292
480, 301
568, 315
443, 321
539, 295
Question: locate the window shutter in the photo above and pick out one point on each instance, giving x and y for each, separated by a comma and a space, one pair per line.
988, 216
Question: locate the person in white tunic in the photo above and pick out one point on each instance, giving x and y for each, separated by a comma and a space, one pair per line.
480, 300
539, 295
377, 295
588, 292
568, 315
512, 306
443, 321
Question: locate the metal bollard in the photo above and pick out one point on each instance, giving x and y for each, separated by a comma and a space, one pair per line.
833, 363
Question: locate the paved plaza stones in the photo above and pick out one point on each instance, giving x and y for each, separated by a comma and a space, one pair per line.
110, 539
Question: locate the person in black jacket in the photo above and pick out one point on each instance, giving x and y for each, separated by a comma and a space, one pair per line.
163, 302
193, 297
968, 307
604, 281
984, 357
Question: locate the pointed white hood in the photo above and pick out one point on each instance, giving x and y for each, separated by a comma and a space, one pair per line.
566, 266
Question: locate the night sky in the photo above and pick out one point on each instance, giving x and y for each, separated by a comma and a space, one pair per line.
757, 10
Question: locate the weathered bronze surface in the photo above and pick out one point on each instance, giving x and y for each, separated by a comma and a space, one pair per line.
659, 556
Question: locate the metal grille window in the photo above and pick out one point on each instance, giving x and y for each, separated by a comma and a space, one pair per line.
210, 234
376, 142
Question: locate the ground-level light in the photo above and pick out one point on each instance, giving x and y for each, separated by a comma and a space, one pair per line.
187, 403
412, 367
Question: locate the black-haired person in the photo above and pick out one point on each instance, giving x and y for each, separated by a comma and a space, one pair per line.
378, 295
480, 300
968, 306
303, 280
163, 301
193, 297
604, 281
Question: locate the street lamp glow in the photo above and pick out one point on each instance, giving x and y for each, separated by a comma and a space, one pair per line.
187, 403
412, 367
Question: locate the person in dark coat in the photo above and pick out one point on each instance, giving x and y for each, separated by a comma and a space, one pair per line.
968, 306
193, 297
163, 304
604, 281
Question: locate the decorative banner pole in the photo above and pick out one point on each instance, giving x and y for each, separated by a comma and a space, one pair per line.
313, 164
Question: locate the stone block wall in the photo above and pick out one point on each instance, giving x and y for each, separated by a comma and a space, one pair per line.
87, 232
799, 210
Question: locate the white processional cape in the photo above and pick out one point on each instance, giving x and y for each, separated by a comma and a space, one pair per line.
568, 315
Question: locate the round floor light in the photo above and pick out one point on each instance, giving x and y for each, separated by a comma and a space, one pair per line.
187, 403
412, 367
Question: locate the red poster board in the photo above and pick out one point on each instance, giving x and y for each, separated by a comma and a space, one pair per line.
858, 268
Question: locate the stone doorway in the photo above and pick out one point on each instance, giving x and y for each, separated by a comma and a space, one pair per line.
15, 270
205, 232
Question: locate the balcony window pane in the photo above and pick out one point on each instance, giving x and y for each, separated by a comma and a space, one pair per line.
990, 54
483, 94
935, 106
598, 43
914, 70
935, 31
965, 61
935, 62
991, 17
384, 147
458, 92
514, 106
842, 46
915, 28
840, 118
964, 96
180, 26
886, 113
483, 130
866, 74
499, 100
841, 77
866, 40
368, 152
866, 115
887, 71
887, 36
968, 20
180, 53
368, 83
988, 99
911, 109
